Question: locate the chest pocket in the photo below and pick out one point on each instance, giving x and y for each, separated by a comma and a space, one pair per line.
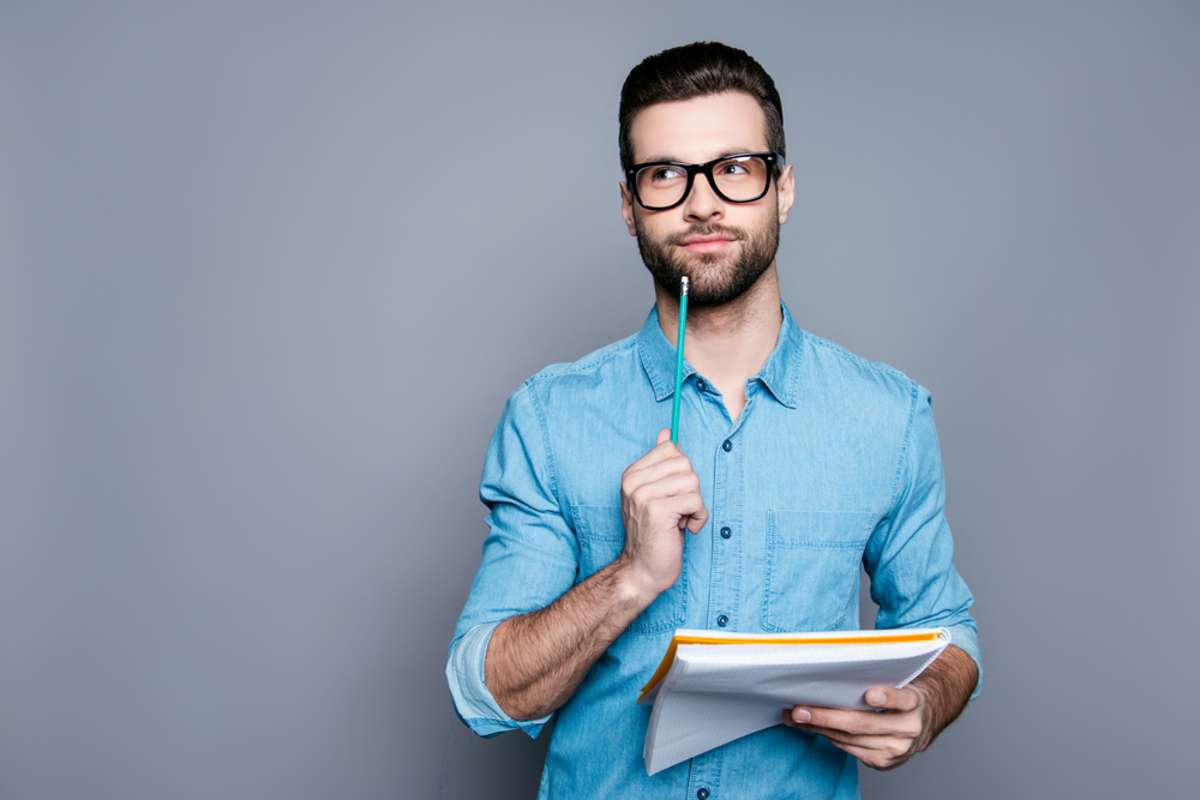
601, 535
813, 560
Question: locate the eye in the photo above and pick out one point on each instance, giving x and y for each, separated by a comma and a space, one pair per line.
665, 173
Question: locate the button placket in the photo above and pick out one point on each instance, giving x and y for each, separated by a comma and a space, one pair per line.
724, 590
724, 584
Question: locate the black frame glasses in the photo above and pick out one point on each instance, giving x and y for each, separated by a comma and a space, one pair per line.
772, 159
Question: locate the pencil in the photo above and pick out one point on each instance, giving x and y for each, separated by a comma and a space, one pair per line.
683, 294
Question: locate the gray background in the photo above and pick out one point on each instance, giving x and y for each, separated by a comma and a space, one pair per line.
270, 272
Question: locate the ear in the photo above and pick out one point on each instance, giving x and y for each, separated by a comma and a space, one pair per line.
786, 186
627, 208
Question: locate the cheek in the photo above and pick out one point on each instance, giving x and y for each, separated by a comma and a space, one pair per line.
758, 225
656, 235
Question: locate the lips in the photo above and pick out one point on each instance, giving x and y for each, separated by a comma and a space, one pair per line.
701, 239
706, 244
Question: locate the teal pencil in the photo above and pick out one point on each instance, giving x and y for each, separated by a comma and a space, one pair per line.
683, 294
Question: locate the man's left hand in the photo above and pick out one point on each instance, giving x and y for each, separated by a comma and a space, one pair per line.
883, 739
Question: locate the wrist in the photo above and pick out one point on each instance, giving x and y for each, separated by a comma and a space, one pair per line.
632, 583
930, 709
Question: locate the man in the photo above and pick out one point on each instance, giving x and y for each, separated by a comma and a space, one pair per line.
797, 461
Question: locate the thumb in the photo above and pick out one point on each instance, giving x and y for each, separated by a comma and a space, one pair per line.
664, 435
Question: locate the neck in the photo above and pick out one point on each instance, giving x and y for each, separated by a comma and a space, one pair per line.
731, 342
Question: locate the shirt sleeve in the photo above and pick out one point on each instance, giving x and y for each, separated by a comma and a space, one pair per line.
530, 557
910, 556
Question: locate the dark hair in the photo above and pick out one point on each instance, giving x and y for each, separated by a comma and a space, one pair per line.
693, 70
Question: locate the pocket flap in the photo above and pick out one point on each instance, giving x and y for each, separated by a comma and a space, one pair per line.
599, 522
797, 528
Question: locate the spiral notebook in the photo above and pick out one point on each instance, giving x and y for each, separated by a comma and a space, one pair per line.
713, 687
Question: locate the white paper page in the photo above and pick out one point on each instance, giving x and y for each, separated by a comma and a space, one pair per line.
714, 694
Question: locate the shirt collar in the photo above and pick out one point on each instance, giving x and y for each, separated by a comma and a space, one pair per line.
781, 373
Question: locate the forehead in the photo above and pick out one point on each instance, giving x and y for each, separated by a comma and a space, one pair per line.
698, 129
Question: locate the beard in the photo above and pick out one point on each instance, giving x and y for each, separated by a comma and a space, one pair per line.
713, 278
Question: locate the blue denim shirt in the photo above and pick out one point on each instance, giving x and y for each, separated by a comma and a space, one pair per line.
833, 462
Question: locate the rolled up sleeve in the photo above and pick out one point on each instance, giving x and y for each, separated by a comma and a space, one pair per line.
473, 701
910, 556
529, 558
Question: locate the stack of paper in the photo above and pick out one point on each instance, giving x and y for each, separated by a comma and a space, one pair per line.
713, 687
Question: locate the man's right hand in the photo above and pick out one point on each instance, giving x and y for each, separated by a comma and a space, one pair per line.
660, 492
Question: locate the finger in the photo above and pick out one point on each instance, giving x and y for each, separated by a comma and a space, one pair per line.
888, 744
676, 483
905, 699
852, 721
871, 758
656, 471
692, 513
682, 507
864, 742
698, 520
695, 522
880, 753
664, 448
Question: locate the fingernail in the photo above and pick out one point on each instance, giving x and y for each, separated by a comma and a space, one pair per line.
876, 696
801, 715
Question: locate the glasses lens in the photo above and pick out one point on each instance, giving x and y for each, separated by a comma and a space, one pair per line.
661, 185
741, 178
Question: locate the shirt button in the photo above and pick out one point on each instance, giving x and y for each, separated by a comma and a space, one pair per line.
702, 793
722, 620
727, 445
726, 533
701, 386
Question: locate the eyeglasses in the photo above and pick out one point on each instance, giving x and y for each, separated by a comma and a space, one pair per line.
739, 178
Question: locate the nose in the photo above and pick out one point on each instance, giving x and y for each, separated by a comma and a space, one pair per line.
702, 203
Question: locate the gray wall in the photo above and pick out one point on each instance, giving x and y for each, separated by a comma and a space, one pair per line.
269, 272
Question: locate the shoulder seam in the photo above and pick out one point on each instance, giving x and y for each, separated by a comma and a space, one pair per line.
598, 359
551, 472
904, 443
883, 366
603, 356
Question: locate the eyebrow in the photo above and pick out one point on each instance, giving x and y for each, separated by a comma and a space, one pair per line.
732, 152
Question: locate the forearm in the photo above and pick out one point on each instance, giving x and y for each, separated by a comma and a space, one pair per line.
946, 684
535, 661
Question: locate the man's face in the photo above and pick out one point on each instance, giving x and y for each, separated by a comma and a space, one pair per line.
695, 131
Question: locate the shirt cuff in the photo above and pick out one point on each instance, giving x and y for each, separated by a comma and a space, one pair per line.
473, 701
966, 637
